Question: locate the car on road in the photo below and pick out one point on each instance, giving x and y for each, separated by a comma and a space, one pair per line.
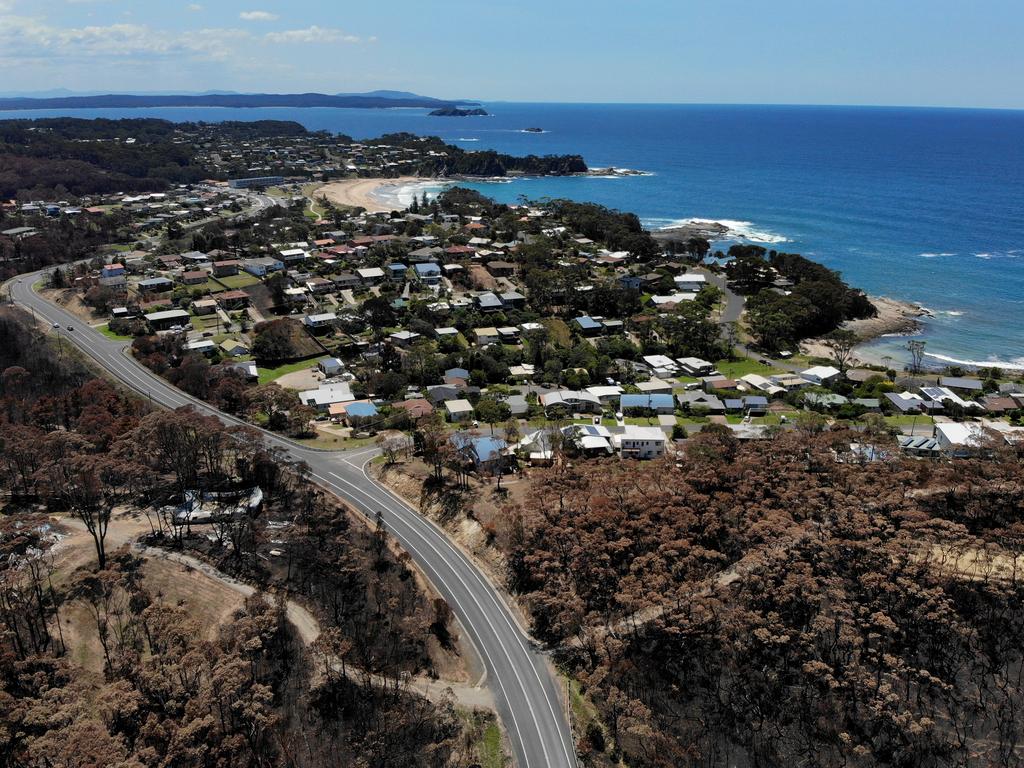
56, 325
71, 328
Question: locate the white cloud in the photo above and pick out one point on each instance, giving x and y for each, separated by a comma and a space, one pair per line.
257, 16
193, 7
312, 34
23, 38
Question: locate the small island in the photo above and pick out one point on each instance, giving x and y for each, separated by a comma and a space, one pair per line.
458, 112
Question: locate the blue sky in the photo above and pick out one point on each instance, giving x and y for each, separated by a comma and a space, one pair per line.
904, 52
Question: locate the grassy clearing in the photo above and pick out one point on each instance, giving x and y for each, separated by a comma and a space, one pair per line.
105, 330
267, 375
734, 369
330, 443
241, 280
906, 420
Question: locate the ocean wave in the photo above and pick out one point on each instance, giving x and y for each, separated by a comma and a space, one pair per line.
951, 312
988, 255
934, 255
735, 230
462, 139
1017, 364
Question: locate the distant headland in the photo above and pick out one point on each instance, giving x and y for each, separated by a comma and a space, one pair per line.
371, 100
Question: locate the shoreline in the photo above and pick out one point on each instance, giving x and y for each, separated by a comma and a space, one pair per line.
895, 318
371, 194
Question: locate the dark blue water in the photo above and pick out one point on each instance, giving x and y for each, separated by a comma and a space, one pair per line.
918, 204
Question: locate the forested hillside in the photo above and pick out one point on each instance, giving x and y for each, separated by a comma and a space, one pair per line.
763, 604
167, 689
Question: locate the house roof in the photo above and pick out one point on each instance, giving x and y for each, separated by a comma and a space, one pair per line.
652, 401
587, 323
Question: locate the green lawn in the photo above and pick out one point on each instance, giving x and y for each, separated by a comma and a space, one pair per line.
734, 369
269, 374
906, 420
241, 280
105, 330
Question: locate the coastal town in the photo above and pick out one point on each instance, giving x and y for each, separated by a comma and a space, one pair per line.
307, 415
369, 322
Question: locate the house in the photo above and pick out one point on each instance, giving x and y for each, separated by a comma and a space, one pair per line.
654, 386
513, 300
613, 326
945, 395
761, 384
204, 306
508, 334
488, 302
958, 439
658, 403
755, 405
606, 394
908, 402
589, 439
458, 410
922, 447
370, 275
417, 408
691, 282
203, 346
501, 268
233, 348
485, 336
824, 400
247, 370
351, 412
823, 375
587, 325
517, 405
296, 296
319, 285
569, 401
155, 285
226, 268
113, 270
690, 401
262, 266
194, 277
403, 338
440, 393
459, 374
695, 366
345, 280
961, 383
428, 273
485, 453
661, 364
640, 442
330, 366
327, 395
293, 255
790, 381
167, 319
396, 272
233, 299
320, 321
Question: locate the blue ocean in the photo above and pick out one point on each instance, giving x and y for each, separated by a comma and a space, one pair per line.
925, 205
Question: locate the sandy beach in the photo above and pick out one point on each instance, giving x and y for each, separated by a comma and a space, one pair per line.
371, 194
894, 317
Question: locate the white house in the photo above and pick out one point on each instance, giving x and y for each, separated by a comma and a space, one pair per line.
690, 282
459, 410
695, 366
761, 384
956, 438
824, 375
640, 442
327, 395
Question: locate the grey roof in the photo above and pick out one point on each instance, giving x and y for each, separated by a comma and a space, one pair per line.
961, 382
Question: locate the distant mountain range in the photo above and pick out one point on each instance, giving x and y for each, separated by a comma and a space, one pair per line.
60, 99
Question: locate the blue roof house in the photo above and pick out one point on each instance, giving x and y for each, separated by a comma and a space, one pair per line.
658, 403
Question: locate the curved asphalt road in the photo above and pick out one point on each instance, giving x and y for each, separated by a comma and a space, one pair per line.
525, 691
